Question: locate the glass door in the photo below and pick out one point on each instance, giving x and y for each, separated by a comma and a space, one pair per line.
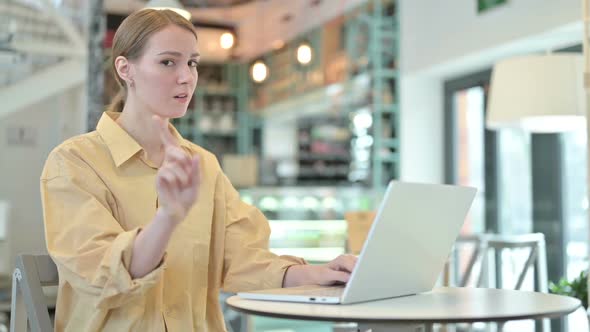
470, 148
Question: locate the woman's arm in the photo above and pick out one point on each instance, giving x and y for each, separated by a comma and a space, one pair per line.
150, 245
177, 182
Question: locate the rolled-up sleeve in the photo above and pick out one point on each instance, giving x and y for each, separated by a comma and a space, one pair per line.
91, 249
248, 263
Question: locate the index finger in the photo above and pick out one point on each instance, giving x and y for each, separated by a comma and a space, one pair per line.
165, 135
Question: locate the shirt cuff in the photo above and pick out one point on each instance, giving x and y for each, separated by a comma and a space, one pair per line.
120, 287
275, 272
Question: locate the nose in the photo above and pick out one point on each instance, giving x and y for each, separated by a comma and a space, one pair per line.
186, 75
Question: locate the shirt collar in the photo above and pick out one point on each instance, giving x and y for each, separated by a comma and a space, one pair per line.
121, 145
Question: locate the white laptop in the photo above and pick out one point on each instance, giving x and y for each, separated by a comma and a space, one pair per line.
405, 251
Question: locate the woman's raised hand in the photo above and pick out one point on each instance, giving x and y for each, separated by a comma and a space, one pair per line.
179, 177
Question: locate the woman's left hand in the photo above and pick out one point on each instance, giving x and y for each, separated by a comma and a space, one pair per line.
336, 271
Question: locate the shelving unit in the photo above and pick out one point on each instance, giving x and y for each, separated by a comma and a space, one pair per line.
324, 150
217, 118
377, 28
363, 98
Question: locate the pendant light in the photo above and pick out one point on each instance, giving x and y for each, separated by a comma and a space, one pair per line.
304, 53
259, 71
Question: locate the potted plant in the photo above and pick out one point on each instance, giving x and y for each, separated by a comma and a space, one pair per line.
577, 288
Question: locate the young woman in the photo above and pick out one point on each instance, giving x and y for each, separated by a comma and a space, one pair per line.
143, 225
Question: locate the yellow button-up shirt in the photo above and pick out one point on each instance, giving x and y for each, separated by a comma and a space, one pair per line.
98, 191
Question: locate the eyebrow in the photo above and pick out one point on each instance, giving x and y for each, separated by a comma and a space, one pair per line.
178, 54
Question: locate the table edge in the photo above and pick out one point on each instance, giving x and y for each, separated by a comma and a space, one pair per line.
552, 314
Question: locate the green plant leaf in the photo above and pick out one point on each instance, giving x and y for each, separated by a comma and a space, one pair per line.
577, 288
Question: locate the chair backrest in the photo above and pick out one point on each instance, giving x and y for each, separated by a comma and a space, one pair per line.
485, 245
32, 272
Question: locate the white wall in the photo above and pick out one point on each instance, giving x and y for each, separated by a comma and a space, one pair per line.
49, 122
421, 130
439, 31
441, 40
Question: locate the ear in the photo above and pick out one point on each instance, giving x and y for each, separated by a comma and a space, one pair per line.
124, 70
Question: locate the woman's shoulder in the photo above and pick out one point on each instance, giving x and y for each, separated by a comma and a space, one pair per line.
73, 153
207, 156
79, 145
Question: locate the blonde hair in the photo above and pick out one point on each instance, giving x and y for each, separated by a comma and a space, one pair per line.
131, 38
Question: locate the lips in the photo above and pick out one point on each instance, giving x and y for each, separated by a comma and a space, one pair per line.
182, 98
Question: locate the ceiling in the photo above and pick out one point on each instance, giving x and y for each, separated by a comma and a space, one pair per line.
261, 24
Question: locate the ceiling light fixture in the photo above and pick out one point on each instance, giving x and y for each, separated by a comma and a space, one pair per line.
173, 5
259, 71
304, 54
227, 40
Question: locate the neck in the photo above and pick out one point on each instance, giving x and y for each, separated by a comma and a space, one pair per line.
139, 125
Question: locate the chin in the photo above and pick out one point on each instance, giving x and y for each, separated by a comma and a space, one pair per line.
177, 113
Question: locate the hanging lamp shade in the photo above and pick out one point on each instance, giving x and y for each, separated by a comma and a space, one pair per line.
539, 93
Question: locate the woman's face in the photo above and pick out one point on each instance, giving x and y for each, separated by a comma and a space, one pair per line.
165, 76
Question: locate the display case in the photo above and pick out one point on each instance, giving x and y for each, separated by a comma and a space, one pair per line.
308, 222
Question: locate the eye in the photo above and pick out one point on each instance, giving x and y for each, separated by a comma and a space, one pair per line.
167, 63
193, 63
